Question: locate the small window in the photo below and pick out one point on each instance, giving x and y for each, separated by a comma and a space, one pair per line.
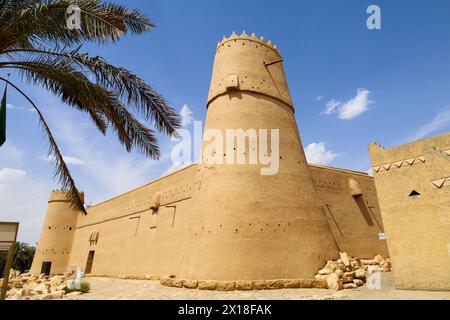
414, 193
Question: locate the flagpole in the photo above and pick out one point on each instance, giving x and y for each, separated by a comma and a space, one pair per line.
3, 107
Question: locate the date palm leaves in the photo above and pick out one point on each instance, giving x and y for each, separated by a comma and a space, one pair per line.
35, 42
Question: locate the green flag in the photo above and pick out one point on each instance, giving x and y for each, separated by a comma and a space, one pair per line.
3, 120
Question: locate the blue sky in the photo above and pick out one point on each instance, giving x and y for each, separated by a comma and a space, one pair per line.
397, 79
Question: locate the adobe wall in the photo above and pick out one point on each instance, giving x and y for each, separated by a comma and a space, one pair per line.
131, 238
213, 221
134, 241
417, 227
354, 217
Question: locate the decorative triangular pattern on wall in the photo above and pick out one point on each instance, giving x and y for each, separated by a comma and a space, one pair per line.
441, 182
398, 164
403, 163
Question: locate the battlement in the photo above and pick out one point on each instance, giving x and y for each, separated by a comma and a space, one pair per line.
248, 64
382, 156
62, 196
245, 37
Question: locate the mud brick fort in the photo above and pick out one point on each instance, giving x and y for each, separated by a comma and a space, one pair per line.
228, 222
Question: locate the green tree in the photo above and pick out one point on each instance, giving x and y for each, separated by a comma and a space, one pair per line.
23, 257
36, 42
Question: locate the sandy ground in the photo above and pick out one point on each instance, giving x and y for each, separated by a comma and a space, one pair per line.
117, 289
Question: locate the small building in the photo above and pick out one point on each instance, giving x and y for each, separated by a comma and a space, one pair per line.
413, 186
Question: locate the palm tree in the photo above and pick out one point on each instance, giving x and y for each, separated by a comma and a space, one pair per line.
36, 42
22, 258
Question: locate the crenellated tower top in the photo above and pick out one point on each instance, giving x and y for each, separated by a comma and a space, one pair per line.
249, 64
62, 196
245, 37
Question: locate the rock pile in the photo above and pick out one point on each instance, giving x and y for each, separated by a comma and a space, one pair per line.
345, 273
244, 285
351, 273
30, 287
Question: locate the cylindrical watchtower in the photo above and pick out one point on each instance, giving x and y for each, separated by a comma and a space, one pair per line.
249, 225
54, 247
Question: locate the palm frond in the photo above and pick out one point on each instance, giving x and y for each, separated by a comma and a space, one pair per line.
62, 172
76, 90
28, 28
43, 21
131, 89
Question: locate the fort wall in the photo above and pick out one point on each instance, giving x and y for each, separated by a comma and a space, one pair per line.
413, 190
213, 221
133, 241
353, 215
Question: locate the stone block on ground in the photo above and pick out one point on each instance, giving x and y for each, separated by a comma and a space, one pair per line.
344, 258
358, 282
292, 284
41, 288
347, 278
244, 285
325, 271
54, 295
350, 286
226, 286
378, 258
274, 284
369, 262
166, 281
332, 265
334, 283
259, 284
207, 285
360, 274
190, 284
306, 283
339, 273
320, 284
177, 283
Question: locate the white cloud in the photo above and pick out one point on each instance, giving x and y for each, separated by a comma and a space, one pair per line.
13, 107
441, 121
352, 108
187, 116
22, 200
73, 161
68, 159
317, 153
8, 175
10, 153
319, 98
331, 106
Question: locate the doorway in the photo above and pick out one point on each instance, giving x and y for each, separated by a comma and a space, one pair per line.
46, 267
89, 262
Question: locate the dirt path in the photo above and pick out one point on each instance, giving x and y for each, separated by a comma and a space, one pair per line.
116, 289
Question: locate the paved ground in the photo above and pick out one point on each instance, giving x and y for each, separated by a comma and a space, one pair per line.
116, 289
